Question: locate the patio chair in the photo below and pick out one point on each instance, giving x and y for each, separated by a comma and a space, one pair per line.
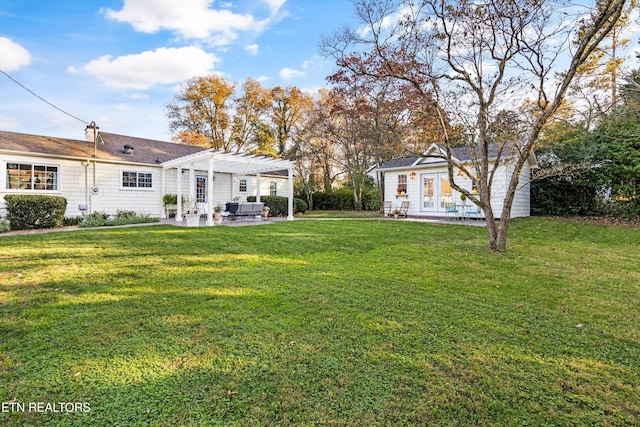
474, 212
404, 209
451, 209
386, 208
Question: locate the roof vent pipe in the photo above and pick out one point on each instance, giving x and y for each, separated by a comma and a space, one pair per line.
128, 149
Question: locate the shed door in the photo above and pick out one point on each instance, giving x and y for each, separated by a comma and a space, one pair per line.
436, 192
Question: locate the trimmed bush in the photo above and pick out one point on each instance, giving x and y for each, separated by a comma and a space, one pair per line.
299, 205
342, 200
28, 211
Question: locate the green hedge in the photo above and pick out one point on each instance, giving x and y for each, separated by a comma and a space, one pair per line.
27, 211
279, 206
342, 200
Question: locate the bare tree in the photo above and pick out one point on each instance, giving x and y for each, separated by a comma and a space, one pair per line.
473, 59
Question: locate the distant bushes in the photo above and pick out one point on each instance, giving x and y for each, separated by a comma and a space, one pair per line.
31, 211
279, 206
342, 200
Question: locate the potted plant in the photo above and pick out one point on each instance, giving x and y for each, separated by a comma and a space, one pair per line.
217, 213
191, 215
170, 203
400, 191
395, 213
265, 212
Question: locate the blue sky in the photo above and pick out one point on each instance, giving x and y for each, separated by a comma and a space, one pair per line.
119, 62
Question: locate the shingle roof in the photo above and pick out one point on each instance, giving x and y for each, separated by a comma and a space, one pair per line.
109, 147
399, 162
462, 154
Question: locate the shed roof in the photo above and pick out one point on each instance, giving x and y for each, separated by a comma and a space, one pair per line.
459, 154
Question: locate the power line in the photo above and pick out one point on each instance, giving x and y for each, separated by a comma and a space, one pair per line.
41, 98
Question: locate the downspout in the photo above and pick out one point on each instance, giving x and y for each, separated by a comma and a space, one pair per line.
86, 186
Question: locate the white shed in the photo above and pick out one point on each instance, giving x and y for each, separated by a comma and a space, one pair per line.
424, 181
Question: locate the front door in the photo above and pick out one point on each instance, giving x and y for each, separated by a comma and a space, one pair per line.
436, 192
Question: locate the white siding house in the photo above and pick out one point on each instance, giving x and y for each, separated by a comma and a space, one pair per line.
424, 182
110, 172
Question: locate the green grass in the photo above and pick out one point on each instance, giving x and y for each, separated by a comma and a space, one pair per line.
340, 214
323, 323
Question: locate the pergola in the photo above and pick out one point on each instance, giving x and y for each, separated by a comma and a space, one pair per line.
219, 161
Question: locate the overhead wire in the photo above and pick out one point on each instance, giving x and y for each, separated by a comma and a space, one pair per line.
42, 99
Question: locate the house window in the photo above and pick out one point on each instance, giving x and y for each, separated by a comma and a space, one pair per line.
25, 176
136, 180
243, 186
402, 184
273, 188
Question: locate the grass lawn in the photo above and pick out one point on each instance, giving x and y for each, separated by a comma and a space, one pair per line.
340, 214
323, 323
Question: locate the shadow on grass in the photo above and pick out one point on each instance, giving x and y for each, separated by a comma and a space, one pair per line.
343, 323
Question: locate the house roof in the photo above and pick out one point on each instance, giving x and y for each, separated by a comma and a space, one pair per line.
109, 147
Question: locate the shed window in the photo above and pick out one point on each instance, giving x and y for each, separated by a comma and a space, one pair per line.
26, 176
402, 184
243, 186
273, 188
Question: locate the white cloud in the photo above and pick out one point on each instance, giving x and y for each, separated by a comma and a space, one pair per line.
191, 19
138, 96
141, 71
290, 73
252, 49
275, 5
13, 55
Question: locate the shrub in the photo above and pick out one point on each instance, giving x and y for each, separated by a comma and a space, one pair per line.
342, 200
71, 220
27, 211
279, 206
125, 214
101, 219
4, 226
94, 219
299, 205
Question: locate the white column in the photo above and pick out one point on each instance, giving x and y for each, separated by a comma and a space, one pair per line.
163, 190
290, 190
179, 193
210, 192
192, 182
258, 187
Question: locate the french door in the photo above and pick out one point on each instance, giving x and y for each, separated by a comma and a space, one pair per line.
201, 189
436, 192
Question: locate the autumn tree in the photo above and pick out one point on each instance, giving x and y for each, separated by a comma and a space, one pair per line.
202, 107
287, 109
475, 59
251, 109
